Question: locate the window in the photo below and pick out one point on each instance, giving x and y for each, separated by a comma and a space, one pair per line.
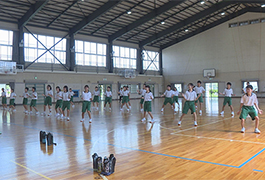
34, 49
253, 83
151, 60
124, 57
90, 54
6, 41
179, 87
132, 88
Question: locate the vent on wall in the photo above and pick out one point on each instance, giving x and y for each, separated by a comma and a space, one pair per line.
248, 22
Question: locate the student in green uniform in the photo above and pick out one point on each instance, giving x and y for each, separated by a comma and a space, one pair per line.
4, 103
108, 98
59, 101
175, 97
66, 103
96, 94
148, 97
228, 93
168, 98
142, 92
25, 100
248, 101
48, 100
86, 105
12, 101
33, 103
125, 98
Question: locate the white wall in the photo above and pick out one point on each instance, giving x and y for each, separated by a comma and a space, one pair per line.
236, 53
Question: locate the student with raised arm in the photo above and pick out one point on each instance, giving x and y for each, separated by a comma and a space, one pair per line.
190, 97
248, 101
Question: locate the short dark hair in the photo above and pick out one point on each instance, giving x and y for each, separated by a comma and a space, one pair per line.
12, 89
250, 87
66, 87
199, 82
86, 86
229, 83
169, 86
57, 87
190, 84
148, 88
34, 88
27, 88
69, 88
247, 82
108, 87
49, 86
96, 87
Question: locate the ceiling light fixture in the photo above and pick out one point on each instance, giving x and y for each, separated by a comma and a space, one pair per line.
223, 13
186, 30
202, 2
263, 5
129, 12
163, 22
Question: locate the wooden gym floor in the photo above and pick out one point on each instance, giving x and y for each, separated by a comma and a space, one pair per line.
214, 150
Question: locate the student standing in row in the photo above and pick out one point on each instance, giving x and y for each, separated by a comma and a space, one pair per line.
25, 100
108, 98
248, 101
168, 98
71, 92
12, 101
148, 97
199, 90
66, 103
120, 94
96, 94
48, 100
175, 96
87, 98
228, 93
142, 93
33, 103
190, 97
125, 98
4, 103
59, 101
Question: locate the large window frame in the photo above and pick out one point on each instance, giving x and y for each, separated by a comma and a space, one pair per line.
124, 57
6, 43
33, 49
254, 83
151, 60
90, 53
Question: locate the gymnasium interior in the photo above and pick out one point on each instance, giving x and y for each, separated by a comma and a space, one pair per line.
117, 43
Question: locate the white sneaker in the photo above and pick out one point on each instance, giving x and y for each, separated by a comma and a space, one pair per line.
121, 109
73, 106
142, 109
196, 107
222, 113
152, 121
257, 131
97, 108
30, 112
42, 114
37, 113
143, 120
26, 112
82, 120
62, 117
57, 115
68, 119
232, 113
14, 110
162, 110
200, 112
195, 123
90, 120
179, 123
49, 114
128, 110
172, 107
109, 109
130, 107
243, 130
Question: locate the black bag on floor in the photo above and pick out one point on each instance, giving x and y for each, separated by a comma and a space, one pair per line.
43, 137
95, 165
108, 165
50, 139
99, 164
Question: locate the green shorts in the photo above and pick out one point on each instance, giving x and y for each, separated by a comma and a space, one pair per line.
72, 99
189, 105
12, 102
125, 99
108, 100
168, 100
227, 100
59, 103
248, 110
200, 99
3, 100
86, 106
96, 99
147, 106
25, 101
48, 101
66, 104
175, 99
142, 100
33, 103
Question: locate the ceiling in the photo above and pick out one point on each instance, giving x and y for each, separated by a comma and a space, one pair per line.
156, 23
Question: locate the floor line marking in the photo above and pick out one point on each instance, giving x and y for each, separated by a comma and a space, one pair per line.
223, 139
257, 170
247, 161
103, 177
31, 170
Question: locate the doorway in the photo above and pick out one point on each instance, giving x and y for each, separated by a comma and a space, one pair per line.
211, 90
103, 89
211, 100
7, 89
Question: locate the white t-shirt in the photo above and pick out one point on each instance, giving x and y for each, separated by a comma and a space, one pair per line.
13, 95
25, 94
168, 93
148, 96
59, 95
125, 93
66, 96
249, 100
108, 93
143, 91
34, 94
175, 93
199, 90
190, 96
96, 93
86, 96
228, 92
49, 93
71, 93
4, 94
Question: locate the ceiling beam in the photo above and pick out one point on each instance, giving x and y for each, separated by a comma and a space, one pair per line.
92, 17
144, 19
185, 22
57, 17
207, 27
33, 10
